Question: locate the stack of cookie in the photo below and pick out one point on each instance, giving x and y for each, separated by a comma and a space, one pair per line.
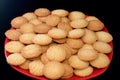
58, 44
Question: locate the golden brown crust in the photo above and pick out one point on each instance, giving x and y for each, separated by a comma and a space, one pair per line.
42, 12
31, 51
95, 25
101, 62
18, 21
12, 34
55, 73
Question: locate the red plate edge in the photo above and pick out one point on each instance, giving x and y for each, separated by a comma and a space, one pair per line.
95, 73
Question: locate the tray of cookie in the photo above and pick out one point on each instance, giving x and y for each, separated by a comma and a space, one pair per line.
58, 44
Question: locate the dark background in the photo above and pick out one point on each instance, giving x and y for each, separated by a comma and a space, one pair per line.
107, 12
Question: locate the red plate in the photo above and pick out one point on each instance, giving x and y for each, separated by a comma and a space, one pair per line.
95, 73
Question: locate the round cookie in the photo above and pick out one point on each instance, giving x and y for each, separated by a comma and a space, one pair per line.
31, 51
84, 72
60, 12
79, 23
76, 33
42, 39
55, 73
104, 36
12, 34
57, 33
87, 54
26, 38
64, 26
89, 37
52, 20
15, 59
42, 12
29, 15
101, 61
56, 53
74, 15
77, 63
35, 21
102, 47
14, 46
27, 28
18, 21
42, 28
74, 43
36, 68
95, 25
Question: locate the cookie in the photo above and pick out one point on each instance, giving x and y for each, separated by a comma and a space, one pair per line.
84, 72
35, 21
74, 43
64, 26
36, 68
104, 36
77, 63
12, 34
15, 59
76, 33
42, 28
31, 51
57, 33
56, 53
29, 15
102, 47
95, 25
18, 21
55, 73
74, 15
79, 23
26, 38
89, 37
27, 28
60, 12
101, 61
52, 20
14, 46
42, 39
87, 54
42, 12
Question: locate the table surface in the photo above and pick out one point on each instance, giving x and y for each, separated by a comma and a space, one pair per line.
103, 10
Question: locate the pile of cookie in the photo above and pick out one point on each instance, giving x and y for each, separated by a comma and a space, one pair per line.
58, 44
